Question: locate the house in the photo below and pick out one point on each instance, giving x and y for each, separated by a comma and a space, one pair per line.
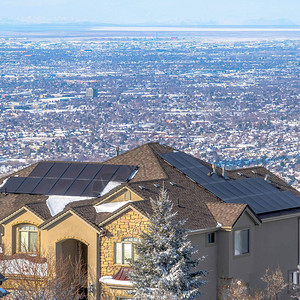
242, 221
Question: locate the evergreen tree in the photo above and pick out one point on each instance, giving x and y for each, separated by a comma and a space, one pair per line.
165, 268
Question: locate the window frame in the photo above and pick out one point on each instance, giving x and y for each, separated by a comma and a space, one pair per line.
293, 275
125, 241
19, 230
235, 240
208, 239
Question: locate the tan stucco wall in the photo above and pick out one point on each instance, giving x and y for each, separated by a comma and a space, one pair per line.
123, 195
69, 227
73, 227
9, 238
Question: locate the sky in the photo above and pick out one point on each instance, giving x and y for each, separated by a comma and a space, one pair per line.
152, 12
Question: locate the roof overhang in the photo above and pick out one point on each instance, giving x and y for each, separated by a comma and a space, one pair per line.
13, 214
121, 211
119, 189
60, 216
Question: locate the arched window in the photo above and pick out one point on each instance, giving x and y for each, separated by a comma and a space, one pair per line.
27, 238
125, 251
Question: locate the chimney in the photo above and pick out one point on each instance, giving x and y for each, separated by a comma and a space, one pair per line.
267, 178
118, 151
224, 172
214, 168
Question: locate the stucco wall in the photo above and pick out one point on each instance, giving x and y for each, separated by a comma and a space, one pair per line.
276, 246
72, 227
209, 263
9, 238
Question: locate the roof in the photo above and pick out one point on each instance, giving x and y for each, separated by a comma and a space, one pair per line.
145, 157
193, 202
226, 213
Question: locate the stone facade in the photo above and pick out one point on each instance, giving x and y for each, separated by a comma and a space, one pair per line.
129, 224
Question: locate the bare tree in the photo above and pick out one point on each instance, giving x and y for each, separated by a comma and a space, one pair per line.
36, 278
275, 283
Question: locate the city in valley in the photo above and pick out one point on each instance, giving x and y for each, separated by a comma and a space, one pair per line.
233, 102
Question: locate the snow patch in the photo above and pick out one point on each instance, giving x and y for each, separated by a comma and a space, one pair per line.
56, 204
110, 280
133, 174
110, 207
111, 185
4, 181
23, 266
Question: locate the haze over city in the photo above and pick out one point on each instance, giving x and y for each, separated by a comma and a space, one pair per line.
156, 12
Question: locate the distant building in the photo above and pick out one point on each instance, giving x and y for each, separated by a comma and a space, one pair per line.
90, 92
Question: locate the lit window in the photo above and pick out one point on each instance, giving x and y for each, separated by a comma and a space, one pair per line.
28, 238
241, 242
211, 238
125, 252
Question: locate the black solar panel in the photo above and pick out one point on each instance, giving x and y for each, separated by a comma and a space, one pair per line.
123, 173
69, 179
57, 170
12, 184
41, 169
106, 172
28, 185
77, 188
94, 188
191, 167
60, 187
261, 196
73, 171
90, 171
44, 186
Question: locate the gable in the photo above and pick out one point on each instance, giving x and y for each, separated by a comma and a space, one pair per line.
122, 195
23, 215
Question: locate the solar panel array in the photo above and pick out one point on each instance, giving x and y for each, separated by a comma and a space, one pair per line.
191, 167
68, 179
261, 196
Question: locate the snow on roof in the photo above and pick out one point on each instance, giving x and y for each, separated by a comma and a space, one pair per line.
111, 185
56, 204
110, 280
110, 207
4, 181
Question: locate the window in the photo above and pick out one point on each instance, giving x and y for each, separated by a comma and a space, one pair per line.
28, 238
241, 242
211, 238
293, 280
126, 250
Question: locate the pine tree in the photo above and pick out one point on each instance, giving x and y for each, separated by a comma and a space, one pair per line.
165, 268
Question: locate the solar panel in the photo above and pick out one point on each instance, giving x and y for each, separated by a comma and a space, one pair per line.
123, 173
106, 172
191, 167
44, 186
261, 196
70, 179
28, 185
12, 184
41, 169
60, 187
77, 188
57, 170
90, 171
95, 188
73, 171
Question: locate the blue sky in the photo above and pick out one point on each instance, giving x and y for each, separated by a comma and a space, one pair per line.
152, 12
